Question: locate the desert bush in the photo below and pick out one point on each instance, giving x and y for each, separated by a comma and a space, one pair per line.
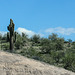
35, 38
69, 60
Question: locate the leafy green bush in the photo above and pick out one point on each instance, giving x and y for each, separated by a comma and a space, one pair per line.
60, 44
5, 46
35, 38
69, 61
19, 42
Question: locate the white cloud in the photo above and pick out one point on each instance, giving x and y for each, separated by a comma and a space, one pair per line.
23, 30
28, 32
64, 31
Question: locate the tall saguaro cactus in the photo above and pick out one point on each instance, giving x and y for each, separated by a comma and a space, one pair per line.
11, 30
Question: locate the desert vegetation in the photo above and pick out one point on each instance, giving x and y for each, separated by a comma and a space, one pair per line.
53, 50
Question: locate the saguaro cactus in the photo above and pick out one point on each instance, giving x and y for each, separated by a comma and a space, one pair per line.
11, 30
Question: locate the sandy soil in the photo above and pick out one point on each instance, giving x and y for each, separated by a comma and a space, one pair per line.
14, 64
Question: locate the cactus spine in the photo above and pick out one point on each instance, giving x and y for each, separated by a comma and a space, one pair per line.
11, 30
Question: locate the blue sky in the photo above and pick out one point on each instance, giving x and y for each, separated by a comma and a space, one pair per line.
39, 16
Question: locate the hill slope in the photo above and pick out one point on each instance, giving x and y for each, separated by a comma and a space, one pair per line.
14, 64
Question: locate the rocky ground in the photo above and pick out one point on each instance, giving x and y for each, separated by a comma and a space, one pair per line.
14, 64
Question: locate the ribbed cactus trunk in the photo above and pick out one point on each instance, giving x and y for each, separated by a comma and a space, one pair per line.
11, 30
11, 42
8, 37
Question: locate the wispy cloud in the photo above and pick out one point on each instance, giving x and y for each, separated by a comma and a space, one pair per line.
63, 31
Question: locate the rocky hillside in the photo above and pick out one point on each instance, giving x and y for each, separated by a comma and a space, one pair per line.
14, 64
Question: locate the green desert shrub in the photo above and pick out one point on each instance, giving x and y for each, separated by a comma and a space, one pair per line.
69, 61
